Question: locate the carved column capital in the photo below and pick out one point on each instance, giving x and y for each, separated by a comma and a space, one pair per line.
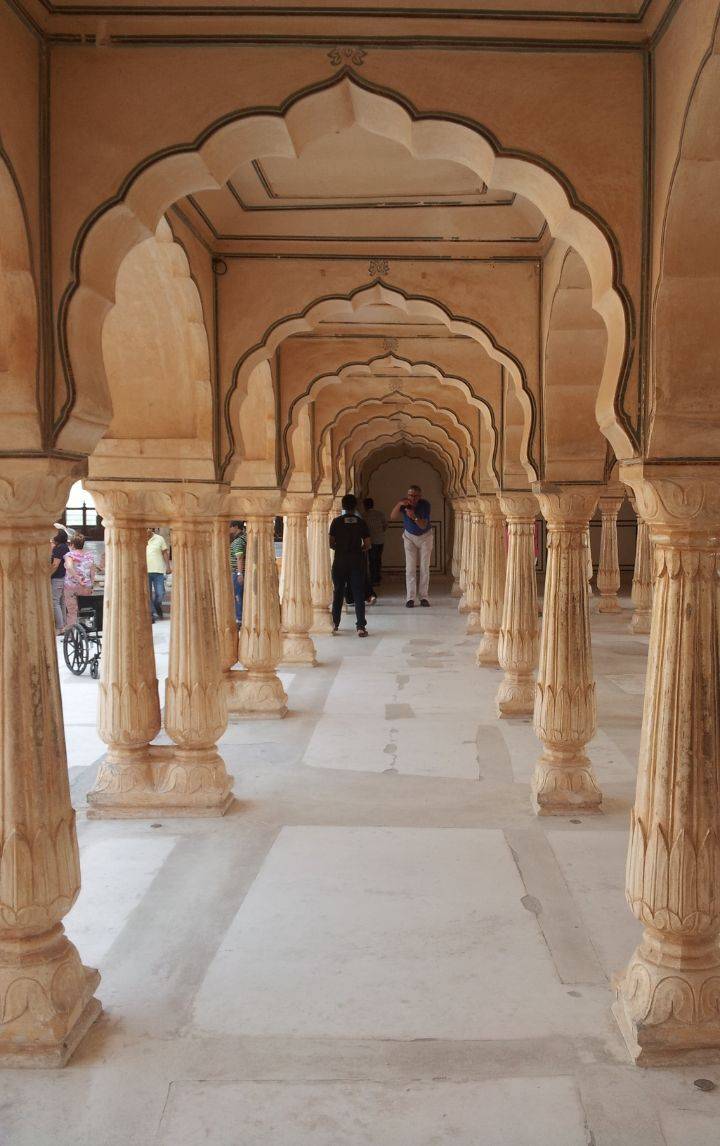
676, 500
256, 502
519, 506
566, 504
33, 491
296, 503
489, 507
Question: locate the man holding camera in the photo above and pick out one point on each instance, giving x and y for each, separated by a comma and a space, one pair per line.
414, 511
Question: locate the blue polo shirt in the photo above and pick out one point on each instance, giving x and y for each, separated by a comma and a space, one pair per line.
422, 509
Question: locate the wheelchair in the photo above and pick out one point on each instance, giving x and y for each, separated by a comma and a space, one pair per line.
82, 643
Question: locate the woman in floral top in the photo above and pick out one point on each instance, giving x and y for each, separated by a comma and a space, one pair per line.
80, 570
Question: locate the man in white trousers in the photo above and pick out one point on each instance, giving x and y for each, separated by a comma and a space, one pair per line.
414, 511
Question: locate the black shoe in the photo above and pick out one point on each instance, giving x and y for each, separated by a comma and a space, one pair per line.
409, 604
425, 603
335, 630
362, 632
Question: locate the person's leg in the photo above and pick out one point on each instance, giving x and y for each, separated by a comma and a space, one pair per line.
410, 566
357, 581
159, 594
378, 559
56, 586
237, 595
71, 605
426, 545
372, 561
339, 579
151, 591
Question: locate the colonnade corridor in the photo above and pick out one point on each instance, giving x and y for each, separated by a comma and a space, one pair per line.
380, 942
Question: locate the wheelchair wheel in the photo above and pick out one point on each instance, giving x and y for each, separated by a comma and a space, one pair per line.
95, 668
76, 649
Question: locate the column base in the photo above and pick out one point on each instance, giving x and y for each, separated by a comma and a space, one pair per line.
47, 998
262, 697
668, 1012
298, 649
609, 605
232, 683
565, 785
487, 653
640, 622
474, 624
322, 621
178, 783
463, 606
516, 696
456, 590
124, 781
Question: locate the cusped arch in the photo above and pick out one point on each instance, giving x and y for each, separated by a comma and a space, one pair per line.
684, 402
410, 442
241, 136
366, 411
20, 400
377, 457
378, 366
417, 426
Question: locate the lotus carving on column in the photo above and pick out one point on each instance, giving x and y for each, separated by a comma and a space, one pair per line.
673, 887
39, 877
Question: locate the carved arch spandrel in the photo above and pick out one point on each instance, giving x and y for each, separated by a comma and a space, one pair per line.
207, 162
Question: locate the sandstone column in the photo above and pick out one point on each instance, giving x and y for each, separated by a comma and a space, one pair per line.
223, 600
564, 781
46, 994
321, 590
589, 559
642, 577
493, 584
458, 523
464, 556
518, 643
263, 695
669, 999
608, 578
128, 701
474, 569
190, 778
296, 603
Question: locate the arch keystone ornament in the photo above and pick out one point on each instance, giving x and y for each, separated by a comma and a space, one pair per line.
668, 1001
47, 999
564, 782
518, 641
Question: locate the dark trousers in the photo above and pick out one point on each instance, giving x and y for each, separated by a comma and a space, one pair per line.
156, 582
353, 575
375, 559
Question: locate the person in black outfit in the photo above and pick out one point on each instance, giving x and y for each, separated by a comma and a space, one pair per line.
349, 541
57, 578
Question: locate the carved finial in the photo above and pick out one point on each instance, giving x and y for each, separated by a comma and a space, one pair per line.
347, 54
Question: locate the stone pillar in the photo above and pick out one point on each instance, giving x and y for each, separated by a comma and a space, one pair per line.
588, 548
46, 994
321, 590
564, 781
191, 779
458, 524
296, 603
493, 584
608, 578
263, 696
474, 569
128, 701
642, 577
518, 643
668, 1002
224, 607
464, 557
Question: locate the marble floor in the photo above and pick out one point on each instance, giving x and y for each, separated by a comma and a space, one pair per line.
380, 944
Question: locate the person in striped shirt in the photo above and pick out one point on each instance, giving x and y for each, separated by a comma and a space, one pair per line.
237, 565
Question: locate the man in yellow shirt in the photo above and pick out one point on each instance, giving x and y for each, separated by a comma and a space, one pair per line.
158, 565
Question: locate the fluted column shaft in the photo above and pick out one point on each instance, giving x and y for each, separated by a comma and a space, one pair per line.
128, 700
193, 777
668, 1001
46, 994
642, 590
224, 607
518, 641
320, 579
260, 635
474, 573
464, 559
296, 604
589, 560
565, 714
458, 523
493, 583
608, 578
